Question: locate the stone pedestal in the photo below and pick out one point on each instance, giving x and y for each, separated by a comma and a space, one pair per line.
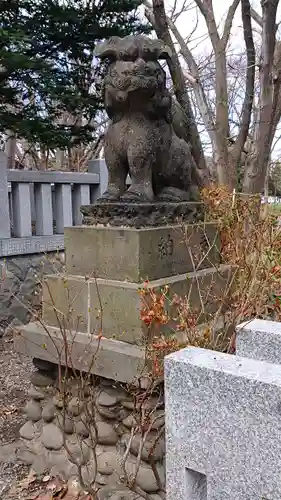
107, 267
92, 323
136, 255
115, 306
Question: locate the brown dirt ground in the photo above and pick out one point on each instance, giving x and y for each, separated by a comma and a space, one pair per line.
14, 384
17, 481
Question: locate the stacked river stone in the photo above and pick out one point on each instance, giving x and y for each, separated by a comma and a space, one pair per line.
96, 419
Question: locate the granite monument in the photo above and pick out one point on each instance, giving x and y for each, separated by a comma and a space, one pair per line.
223, 419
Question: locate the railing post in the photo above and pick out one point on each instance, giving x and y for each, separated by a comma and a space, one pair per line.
43, 209
98, 167
81, 196
63, 207
5, 226
21, 209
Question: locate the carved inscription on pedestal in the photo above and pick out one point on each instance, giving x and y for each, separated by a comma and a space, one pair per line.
165, 247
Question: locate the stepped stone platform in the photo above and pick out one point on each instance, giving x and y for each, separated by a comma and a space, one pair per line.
114, 359
91, 325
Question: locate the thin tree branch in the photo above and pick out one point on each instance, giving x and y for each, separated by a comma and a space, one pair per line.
228, 22
160, 24
255, 15
258, 19
276, 77
203, 7
206, 9
256, 172
199, 92
225, 176
250, 82
189, 77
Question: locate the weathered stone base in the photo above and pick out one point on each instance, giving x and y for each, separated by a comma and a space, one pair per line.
130, 254
90, 426
121, 302
87, 353
141, 214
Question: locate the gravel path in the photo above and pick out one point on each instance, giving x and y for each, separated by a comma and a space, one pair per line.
15, 370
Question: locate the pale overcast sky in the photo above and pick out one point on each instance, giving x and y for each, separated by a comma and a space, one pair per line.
187, 22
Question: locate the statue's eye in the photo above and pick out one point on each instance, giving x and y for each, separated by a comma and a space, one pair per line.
113, 72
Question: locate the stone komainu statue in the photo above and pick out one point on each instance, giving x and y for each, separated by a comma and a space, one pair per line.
140, 139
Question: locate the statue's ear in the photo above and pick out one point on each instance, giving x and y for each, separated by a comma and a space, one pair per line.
153, 49
162, 50
131, 47
108, 49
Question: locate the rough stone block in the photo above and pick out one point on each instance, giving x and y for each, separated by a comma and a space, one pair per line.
223, 427
107, 358
259, 339
139, 254
114, 306
65, 302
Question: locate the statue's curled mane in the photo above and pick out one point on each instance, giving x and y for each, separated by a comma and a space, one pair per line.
135, 80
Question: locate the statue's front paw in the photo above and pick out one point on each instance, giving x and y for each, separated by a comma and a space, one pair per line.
175, 195
138, 194
135, 198
109, 197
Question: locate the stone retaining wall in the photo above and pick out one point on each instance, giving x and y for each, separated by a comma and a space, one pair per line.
62, 431
20, 285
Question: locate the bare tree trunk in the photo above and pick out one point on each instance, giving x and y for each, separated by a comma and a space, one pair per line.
256, 171
60, 159
162, 30
247, 107
28, 156
10, 150
228, 158
226, 175
276, 78
70, 160
194, 79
